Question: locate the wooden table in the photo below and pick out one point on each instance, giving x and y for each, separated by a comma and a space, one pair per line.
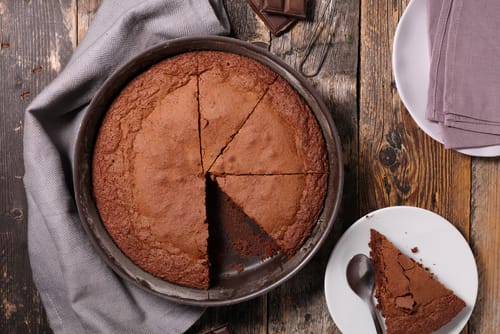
388, 160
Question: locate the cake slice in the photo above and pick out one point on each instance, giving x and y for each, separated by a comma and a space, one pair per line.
281, 136
286, 207
230, 87
411, 300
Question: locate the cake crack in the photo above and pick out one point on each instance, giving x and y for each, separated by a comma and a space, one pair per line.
242, 124
199, 113
267, 174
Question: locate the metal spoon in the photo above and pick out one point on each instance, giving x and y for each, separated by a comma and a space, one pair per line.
361, 279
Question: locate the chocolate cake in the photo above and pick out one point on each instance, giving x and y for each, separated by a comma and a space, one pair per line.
171, 123
410, 298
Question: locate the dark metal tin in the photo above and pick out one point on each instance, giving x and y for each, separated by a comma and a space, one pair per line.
255, 280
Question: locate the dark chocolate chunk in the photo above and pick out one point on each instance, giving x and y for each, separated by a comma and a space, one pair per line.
277, 24
274, 6
293, 8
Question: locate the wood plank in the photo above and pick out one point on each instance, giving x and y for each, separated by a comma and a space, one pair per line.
298, 306
485, 241
247, 318
37, 38
398, 163
86, 10
245, 24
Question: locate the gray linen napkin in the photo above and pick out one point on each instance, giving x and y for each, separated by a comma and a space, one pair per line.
464, 89
80, 293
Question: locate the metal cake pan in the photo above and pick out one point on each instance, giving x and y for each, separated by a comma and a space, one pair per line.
259, 276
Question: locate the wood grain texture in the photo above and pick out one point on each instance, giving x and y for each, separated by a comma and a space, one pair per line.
485, 242
298, 306
37, 38
86, 10
399, 164
245, 24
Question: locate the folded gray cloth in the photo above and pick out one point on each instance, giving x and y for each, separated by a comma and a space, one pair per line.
80, 293
464, 89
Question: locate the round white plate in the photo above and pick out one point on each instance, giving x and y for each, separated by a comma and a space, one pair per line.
441, 248
411, 64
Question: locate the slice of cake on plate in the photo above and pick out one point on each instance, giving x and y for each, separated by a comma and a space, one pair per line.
409, 297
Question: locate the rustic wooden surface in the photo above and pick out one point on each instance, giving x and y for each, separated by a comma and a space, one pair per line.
388, 160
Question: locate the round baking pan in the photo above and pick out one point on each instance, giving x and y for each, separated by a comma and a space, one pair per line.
259, 276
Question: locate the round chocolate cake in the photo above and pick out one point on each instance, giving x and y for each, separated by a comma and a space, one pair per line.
197, 116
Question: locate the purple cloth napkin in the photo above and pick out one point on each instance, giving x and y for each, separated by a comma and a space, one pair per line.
464, 89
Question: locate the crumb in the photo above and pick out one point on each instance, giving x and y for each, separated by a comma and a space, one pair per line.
414, 250
238, 266
4, 45
9, 309
37, 69
25, 95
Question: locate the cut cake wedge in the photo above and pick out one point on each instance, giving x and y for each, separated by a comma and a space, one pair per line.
410, 298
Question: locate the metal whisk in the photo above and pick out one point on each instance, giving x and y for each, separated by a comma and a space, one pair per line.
330, 13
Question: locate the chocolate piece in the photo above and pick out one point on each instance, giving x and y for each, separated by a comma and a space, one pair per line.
293, 8
277, 24
406, 303
274, 6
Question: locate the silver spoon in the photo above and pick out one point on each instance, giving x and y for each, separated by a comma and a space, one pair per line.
361, 279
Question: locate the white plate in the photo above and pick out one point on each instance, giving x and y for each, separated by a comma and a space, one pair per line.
411, 63
441, 248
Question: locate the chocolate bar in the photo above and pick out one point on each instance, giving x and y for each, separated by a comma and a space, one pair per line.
277, 24
293, 8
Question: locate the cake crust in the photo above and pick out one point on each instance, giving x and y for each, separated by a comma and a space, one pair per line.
280, 137
411, 300
221, 115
